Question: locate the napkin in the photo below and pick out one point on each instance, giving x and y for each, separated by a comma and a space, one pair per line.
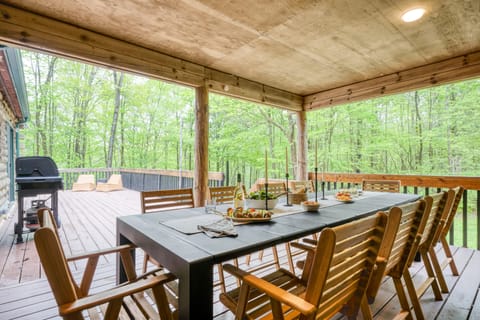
218, 229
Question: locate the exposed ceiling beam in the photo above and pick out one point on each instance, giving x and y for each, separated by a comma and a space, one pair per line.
455, 69
28, 30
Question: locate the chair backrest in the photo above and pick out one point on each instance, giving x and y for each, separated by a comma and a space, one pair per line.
298, 185
161, 200
381, 185
441, 205
398, 250
450, 216
86, 178
115, 179
53, 260
275, 188
342, 265
221, 194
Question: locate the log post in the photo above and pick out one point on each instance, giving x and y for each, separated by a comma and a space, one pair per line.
302, 146
200, 178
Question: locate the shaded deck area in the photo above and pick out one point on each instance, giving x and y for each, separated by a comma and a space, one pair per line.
88, 223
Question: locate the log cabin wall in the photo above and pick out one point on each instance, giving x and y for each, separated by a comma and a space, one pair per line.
6, 121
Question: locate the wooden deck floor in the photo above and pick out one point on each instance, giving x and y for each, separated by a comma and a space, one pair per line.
88, 223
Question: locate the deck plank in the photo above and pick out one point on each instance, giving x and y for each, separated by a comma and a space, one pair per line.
459, 302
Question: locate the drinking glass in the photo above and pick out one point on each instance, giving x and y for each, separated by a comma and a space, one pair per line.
210, 205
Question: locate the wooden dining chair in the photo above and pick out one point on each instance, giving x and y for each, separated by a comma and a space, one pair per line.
161, 200
342, 264
75, 301
441, 205
301, 185
447, 222
381, 185
397, 253
221, 194
274, 188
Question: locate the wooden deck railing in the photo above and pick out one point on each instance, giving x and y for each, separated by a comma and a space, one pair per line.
141, 179
467, 221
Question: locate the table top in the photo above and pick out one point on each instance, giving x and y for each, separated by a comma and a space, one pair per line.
145, 229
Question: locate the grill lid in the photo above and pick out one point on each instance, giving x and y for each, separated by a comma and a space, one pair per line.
37, 173
35, 167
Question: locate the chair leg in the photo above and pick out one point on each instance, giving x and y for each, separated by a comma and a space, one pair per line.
288, 250
275, 257
449, 255
432, 279
248, 258
221, 277
145, 262
402, 298
365, 308
438, 270
412, 293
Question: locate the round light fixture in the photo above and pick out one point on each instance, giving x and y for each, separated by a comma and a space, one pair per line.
413, 14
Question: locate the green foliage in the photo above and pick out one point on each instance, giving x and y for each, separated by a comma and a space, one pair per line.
432, 131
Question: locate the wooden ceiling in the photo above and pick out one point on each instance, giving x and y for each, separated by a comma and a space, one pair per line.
295, 54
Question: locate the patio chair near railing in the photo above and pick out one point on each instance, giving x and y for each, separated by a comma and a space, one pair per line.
441, 205
85, 182
397, 253
114, 183
75, 301
381, 185
447, 222
341, 265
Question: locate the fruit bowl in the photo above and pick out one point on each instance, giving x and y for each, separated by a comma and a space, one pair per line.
310, 206
260, 204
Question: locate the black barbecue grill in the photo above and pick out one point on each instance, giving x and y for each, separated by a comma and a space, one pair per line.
36, 176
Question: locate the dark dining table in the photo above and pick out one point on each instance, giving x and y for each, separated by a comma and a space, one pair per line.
191, 257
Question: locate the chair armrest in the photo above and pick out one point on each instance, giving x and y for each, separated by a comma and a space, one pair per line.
271, 290
303, 246
310, 241
235, 271
280, 295
100, 252
114, 293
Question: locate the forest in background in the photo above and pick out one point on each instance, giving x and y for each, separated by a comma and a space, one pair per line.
85, 116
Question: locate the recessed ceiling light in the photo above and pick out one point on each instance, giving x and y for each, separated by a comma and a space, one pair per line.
413, 14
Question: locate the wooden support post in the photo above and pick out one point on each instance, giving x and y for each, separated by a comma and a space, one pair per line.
200, 177
302, 146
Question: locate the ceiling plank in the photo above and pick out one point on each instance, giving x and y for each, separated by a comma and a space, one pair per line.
450, 70
28, 30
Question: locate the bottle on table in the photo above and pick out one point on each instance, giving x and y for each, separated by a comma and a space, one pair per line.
238, 193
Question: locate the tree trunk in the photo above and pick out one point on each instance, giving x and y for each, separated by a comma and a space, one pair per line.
118, 82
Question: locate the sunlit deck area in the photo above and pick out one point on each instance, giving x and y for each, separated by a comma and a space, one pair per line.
88, 223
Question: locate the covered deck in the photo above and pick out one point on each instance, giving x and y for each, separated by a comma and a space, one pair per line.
88, 223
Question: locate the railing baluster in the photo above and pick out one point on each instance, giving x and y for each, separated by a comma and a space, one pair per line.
478, 219
464, 218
